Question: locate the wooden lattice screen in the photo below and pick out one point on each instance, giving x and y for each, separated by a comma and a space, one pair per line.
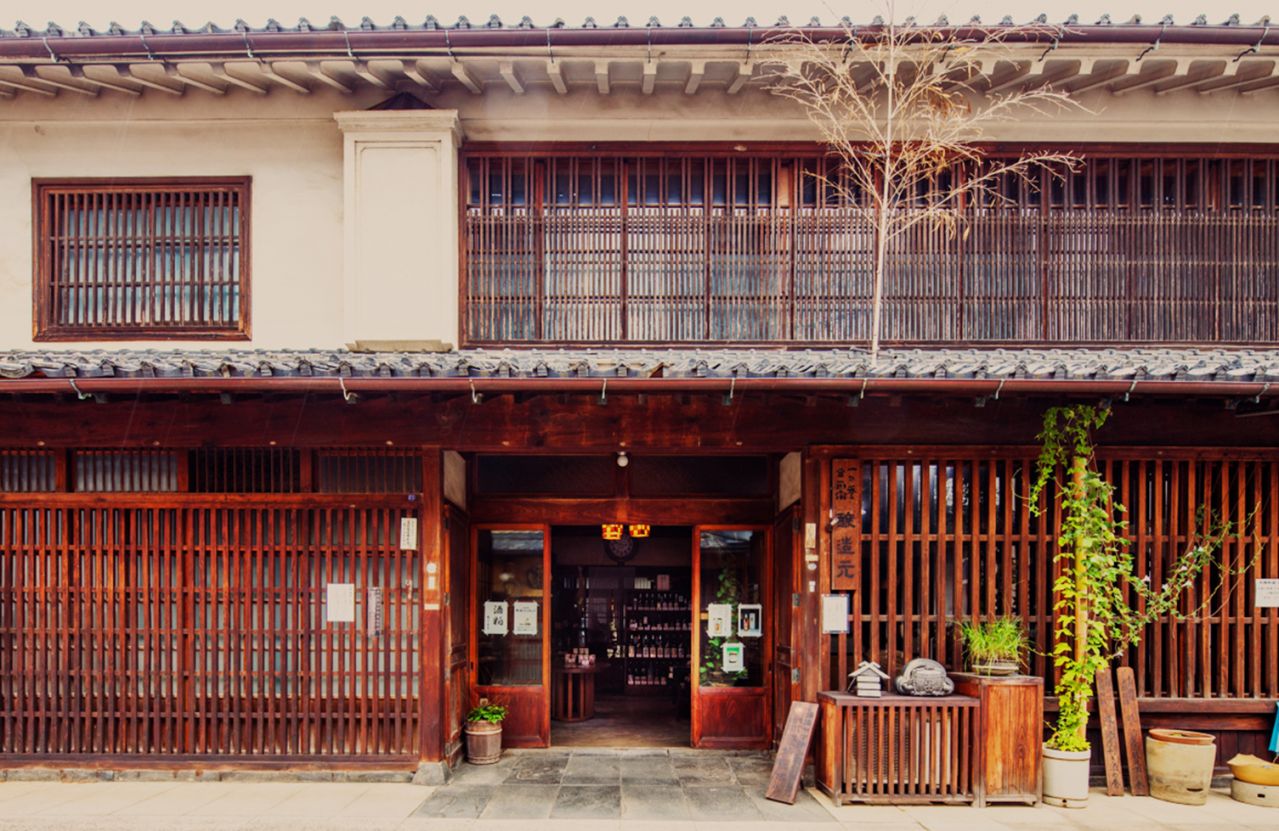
179, 627
931, 536
119, 258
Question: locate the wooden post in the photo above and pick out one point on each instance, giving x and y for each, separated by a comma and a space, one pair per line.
1077, 467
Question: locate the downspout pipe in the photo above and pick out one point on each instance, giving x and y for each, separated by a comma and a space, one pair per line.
369, 43
958, 387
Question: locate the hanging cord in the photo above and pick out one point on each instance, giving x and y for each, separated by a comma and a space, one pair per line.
83, 396
1256, 47
1152, 47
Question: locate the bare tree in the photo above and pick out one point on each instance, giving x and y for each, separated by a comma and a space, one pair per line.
904, 110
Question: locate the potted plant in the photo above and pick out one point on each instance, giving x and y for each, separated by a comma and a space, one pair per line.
994, 647
484, 733
1101, 606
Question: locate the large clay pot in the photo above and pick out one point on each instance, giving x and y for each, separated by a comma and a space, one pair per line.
483, 742
1180, 771
1066, 777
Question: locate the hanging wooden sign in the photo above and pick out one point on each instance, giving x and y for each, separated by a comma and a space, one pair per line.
845, 505
788, 767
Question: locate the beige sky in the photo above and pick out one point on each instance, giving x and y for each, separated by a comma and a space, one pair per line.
99, 13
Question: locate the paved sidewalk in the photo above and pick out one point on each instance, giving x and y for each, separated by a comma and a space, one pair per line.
561, 791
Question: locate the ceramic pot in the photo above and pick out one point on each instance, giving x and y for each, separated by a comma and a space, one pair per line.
483, 742
1180, 772
1066, 777
997, 668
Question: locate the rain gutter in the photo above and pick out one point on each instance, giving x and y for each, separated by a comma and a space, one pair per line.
343, 43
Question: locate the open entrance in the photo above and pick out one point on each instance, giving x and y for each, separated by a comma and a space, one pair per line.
677, 632
621, 624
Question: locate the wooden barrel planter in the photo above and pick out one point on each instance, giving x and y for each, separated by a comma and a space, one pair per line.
483, 742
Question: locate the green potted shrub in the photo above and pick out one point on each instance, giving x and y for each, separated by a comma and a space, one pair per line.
994, 647
484, 733
1101, 606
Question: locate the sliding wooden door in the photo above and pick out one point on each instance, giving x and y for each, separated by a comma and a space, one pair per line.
732, 642
511, 615
456, 581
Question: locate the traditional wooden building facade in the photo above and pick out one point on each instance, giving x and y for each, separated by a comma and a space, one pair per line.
318, 340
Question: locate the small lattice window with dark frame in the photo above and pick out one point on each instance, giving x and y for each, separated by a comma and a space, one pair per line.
128, 259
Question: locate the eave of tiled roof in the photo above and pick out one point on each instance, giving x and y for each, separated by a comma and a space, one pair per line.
1233, 371
337, 36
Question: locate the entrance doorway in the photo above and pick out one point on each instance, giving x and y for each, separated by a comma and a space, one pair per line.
621, 625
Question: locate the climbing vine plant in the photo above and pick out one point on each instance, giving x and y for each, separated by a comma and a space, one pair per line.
1096, 619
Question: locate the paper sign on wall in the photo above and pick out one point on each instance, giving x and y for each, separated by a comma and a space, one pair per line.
750, 620
734, 657
495, 617
834, 614
719, 620
1267, 593
524, 619
376, 614
408, 533
339, 603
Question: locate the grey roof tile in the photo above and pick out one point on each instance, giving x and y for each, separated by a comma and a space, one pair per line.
1139, 363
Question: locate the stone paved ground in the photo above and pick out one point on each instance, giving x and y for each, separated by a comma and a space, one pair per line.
561, 791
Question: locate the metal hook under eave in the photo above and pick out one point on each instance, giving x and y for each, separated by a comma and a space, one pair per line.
52, 56
350, 53
1130, 389
1152, 47
1256, 47
448, 44
862, 394
732, 390
1052, 47
83, 396
549, 54
475, 396
1000, 388
604, 393
1264, 390
143, 40
348, 397
248, 50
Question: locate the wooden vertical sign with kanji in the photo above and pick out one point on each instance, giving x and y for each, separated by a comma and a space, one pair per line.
846, 499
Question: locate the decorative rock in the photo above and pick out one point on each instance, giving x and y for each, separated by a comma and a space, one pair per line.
924, 676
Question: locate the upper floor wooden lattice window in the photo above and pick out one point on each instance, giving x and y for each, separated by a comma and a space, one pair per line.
681, 245
145, 258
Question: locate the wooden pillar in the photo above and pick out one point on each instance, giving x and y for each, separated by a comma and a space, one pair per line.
813, 660
432, 658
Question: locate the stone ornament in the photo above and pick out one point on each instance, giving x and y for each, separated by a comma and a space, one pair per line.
924, 676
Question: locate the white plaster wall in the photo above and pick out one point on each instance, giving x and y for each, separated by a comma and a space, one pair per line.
292, 152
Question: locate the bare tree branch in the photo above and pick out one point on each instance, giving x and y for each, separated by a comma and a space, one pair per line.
901, 110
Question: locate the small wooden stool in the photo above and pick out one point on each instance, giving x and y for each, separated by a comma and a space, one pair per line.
573, 693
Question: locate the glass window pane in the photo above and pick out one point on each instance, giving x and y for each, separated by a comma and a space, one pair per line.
732, 568
509, 571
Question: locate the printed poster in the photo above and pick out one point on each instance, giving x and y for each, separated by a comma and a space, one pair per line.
524, 618
495, 617
719, 620
734, 657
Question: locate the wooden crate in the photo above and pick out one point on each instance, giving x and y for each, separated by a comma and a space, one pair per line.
899, 749
1011, 738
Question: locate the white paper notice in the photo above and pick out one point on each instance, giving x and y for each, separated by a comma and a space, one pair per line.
1267, 593
719, 620
750, 617
339, 605
408, 533
524, 618
834, 613
495, 617
734, 657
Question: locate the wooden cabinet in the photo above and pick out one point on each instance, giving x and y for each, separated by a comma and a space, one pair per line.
1011, 738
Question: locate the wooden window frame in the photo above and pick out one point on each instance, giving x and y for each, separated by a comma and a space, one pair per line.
45, 328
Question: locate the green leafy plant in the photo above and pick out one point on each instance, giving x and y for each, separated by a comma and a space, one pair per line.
486, 711
1101, 606
992, 641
